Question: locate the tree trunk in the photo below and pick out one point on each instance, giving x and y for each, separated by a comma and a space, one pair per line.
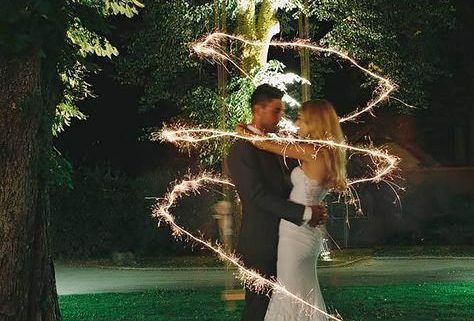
305, 63
261, 27
220, 17
27, 281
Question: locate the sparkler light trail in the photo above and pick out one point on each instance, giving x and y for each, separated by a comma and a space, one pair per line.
197, 135
210, 47
249, 277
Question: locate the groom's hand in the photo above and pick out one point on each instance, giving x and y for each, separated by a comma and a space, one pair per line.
319, 215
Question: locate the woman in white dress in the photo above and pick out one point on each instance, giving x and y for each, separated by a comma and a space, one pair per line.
322, 169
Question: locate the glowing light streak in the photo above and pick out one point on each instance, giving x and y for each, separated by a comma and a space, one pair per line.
210, 47
249, 277
197, 135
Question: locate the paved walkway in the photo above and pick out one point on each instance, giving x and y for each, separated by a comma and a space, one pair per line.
82, 280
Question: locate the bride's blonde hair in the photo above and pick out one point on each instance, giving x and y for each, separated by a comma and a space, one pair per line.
322, 122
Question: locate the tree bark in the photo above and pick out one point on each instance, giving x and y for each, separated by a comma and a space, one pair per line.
261, 26
305, 63
27, 280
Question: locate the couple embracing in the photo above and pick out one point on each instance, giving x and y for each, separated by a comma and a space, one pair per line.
283, 215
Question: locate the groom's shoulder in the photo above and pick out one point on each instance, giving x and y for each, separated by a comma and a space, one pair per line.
240, 146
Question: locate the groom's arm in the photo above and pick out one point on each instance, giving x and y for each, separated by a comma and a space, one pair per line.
249, 183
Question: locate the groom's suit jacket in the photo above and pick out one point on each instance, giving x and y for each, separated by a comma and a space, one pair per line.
263, 185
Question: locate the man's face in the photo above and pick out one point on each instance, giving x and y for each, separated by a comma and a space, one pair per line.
268, 115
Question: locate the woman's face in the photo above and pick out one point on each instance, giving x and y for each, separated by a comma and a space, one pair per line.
302, 126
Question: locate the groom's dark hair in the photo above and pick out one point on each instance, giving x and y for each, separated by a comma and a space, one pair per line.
264, 94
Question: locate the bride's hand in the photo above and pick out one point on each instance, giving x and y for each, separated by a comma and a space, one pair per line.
242, 130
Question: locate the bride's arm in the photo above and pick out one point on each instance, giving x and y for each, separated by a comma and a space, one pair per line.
297, 150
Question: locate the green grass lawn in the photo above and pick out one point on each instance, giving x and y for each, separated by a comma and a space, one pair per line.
404, 302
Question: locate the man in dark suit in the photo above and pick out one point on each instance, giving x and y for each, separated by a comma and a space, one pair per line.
263, 185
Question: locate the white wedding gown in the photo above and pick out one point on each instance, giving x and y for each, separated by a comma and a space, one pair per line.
298, 251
